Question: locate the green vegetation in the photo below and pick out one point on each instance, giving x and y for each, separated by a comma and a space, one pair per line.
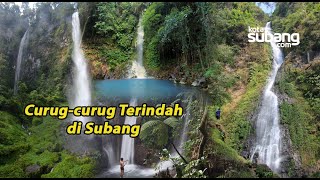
236, 117
302, 18
114, 28
41, 145
299, 80
32, 147
181, 39
12, 137
66, 168
155, 133
298, 112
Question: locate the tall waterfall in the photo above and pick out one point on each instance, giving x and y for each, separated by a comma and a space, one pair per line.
127, 146
19, 61
268, 140
81, 79
137, 69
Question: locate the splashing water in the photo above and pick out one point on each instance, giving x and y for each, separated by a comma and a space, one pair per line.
127, 147
268, 136
130, 171
110, 153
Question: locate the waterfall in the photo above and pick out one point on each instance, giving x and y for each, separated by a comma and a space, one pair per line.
19, 61
137, 69
127, 146
81, 79
110, 153
163, 165
268, 142
186, 122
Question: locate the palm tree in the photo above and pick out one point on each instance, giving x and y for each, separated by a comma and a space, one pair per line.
158, 132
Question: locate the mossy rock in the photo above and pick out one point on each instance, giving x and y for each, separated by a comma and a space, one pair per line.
71, 167
33, 171
263, 171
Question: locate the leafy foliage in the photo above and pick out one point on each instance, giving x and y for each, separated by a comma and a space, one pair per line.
198, 39
155, 133
113, 27
118, 21
236, 118
300, 111
192, 169
42, 145
302, 18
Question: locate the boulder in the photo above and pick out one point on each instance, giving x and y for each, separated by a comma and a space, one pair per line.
199, 82
33, 171
202, 80
183, 80
195, 83
172, 77
255, 158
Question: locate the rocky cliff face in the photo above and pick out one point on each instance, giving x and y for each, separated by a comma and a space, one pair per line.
51, 59
291, 162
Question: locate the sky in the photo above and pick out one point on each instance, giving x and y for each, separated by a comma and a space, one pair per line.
265, 8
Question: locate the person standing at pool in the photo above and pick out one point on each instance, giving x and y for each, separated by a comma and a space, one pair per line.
122, 164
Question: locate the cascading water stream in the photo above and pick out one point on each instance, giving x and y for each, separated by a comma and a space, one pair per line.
19, 61
137, 69
268, 138
79, 92
81, 79
187, 119
127, 146
110, 153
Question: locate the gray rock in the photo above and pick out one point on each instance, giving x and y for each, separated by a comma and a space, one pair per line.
183, 80
195, 83
202, 80
33, 170
199, 82
172, 77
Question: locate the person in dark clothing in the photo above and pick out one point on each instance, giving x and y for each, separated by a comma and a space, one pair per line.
122, 164
218, 113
